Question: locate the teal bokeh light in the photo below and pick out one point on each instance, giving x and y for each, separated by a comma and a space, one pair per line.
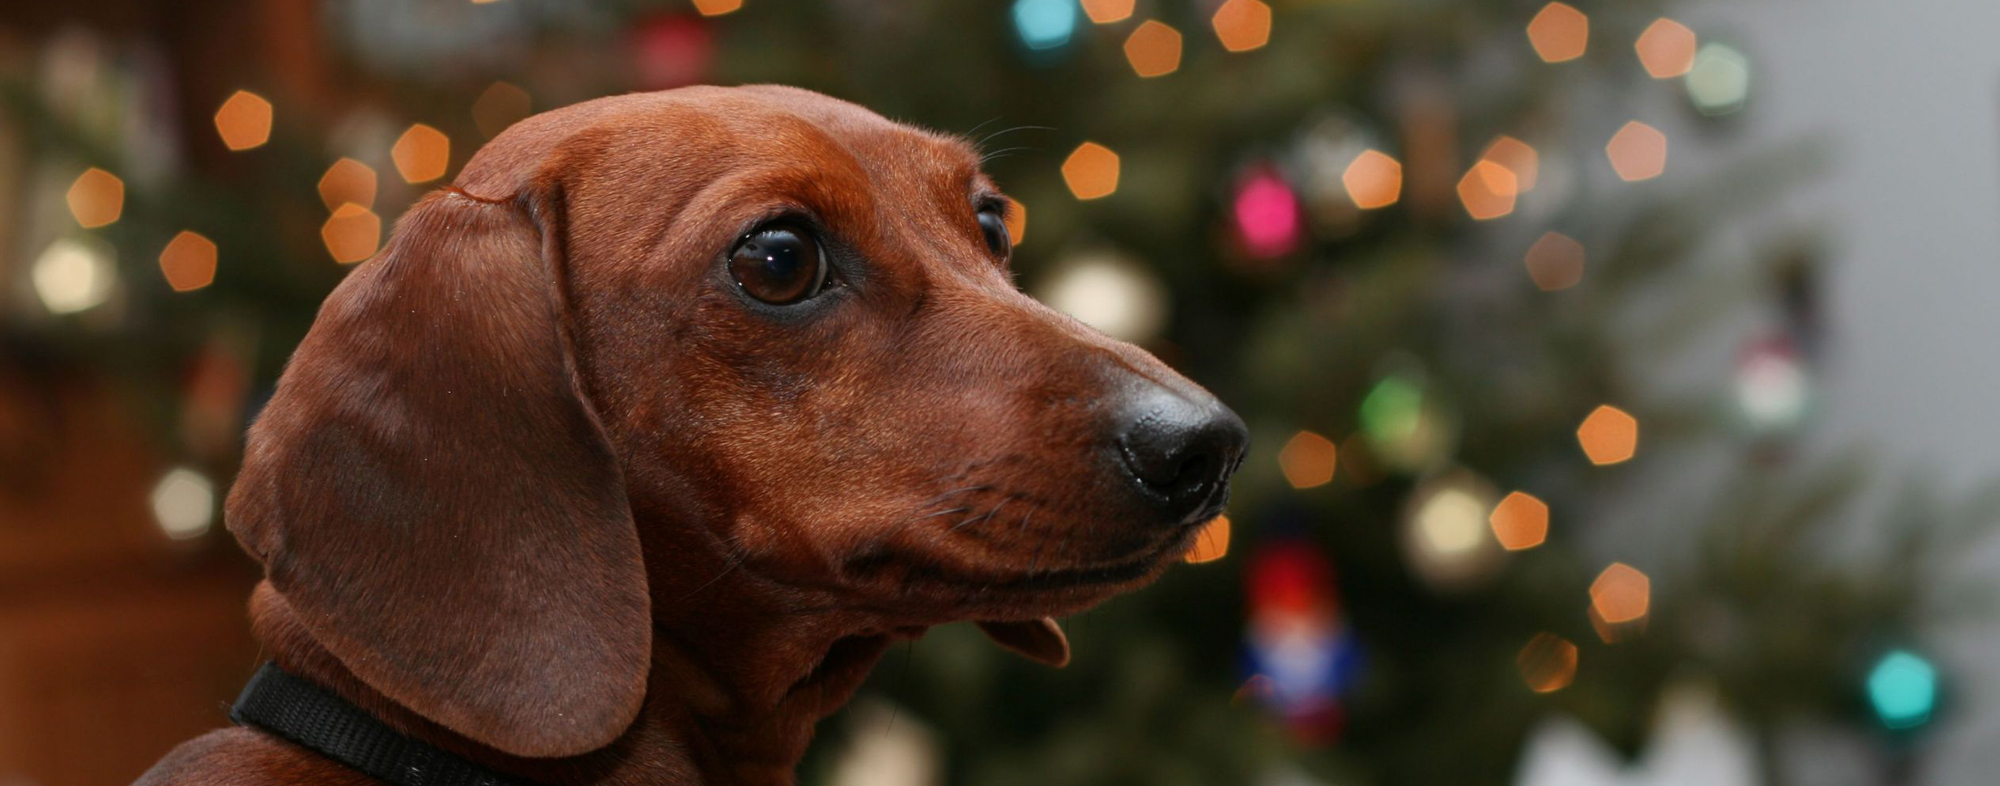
1045, 24
1903, 689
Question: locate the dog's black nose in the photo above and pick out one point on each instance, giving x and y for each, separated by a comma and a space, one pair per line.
1182, 451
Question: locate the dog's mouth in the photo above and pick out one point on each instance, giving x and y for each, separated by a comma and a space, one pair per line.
907, 567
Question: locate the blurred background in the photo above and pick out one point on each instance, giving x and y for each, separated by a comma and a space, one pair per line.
1620, 404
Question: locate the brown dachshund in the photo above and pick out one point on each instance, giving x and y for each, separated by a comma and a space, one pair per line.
634, 449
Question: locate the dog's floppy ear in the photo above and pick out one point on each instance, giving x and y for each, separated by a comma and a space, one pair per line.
433, 495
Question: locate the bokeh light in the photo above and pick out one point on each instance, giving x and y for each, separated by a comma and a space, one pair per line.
1091, 171
1555, 262
1212, 543
1045, 24
1105, 12
1520, 521
1373, 180
352, 233
1487, 190
1242, 25
347, 180
1637, 152
1666, 49
1519, 158
74, 274
1719, 81
1110, 292
500, 105
717, 7
1608, 436
1267, 213
96, 199
1559, 33
1445, 534
1621, 594
1547, 663
188, 262
1308, 460
1016, 221
183, 503
1773, 386
244, 121
421, 154
1153, 49
1903, 689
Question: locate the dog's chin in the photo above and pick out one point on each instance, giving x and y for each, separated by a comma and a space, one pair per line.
1065, 589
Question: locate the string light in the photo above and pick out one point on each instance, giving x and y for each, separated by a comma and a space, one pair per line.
1267, 214
1110, 292
1519, 158
1559, 33
1091, 171
1608, 436
188, 262
1555, 262
1045, 24
1105, 12
421, 154
1242, 25
1666, 49
1308, 460
1903, 688
1621, 594
1212, 543
500, 105
96, 199
1153, 49
1637, 152
244, 121
1547, 663
1520, 521
347, 180
183, 503
73, 275
1373, 180
352, 233
1445, 533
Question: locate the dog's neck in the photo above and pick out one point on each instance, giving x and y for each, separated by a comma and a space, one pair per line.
726, 704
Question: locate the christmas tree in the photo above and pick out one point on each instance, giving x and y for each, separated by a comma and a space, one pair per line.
1435, 252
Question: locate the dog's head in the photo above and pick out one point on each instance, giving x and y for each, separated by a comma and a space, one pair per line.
755, 322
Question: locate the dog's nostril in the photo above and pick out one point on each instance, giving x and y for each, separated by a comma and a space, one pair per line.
1180, 450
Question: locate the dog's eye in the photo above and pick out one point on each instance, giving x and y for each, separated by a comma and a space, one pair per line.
778, 265
994, 227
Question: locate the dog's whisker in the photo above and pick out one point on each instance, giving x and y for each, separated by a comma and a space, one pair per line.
1004, 131
977, 519
736, 559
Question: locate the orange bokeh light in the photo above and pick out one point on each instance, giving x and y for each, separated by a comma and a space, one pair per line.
1637, 152
422, 153
1555, 262
1520, 521
244, 121
1091, 171
1666, 49
716, 7
1487, 190
1518, 158
1105, 12
1308, 460
96, 198
1242, 25
1153, 49
1621, 594
1559, 32
1373, 180
352, 233
1547, 663
188, 262
1213, 542
347, 181
1016, 221
500, 105
1609, 435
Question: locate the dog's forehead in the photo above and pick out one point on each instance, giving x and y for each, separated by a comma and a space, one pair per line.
767, 120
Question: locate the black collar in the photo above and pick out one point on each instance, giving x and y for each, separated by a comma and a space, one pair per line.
313, 718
